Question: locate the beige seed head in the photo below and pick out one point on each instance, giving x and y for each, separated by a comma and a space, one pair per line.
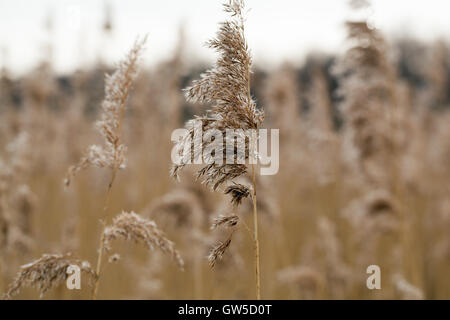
45, 273
117, 89
132, 227
225, 221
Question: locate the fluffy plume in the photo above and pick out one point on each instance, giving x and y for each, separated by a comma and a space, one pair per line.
117, 88
374, 213
238, 193
132, 227
17, 201
227, 88
373, 132
225, 221
45, 273
218, 251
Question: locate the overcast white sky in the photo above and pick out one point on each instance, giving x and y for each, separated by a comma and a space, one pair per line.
276, 29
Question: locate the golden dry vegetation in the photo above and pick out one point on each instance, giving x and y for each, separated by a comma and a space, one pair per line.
364, 176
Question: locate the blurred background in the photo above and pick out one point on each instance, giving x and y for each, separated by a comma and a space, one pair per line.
81, 34
359, 90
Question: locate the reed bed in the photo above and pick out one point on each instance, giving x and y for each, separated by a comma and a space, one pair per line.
363, 179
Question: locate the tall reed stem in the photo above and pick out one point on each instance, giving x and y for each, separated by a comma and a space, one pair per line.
256, 239
108, 193
102, 242
99, 265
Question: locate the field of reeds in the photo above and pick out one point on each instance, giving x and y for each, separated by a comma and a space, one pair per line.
86, 176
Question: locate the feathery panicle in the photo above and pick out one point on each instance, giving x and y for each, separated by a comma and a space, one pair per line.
225, 221
45, 273
117, 88
132, 227
17, 201
218, 251
374, 129
374, 213
227, 88
238, 193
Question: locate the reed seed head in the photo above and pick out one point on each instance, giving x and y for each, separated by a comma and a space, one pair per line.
117, 89
225, 221
45, 273
132, 227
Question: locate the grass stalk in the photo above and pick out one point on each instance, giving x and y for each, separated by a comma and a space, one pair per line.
256, 239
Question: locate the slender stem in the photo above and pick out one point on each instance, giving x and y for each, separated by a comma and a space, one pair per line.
255, 210
102, 242
255, 229
249, 231
99, 263
108, 193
